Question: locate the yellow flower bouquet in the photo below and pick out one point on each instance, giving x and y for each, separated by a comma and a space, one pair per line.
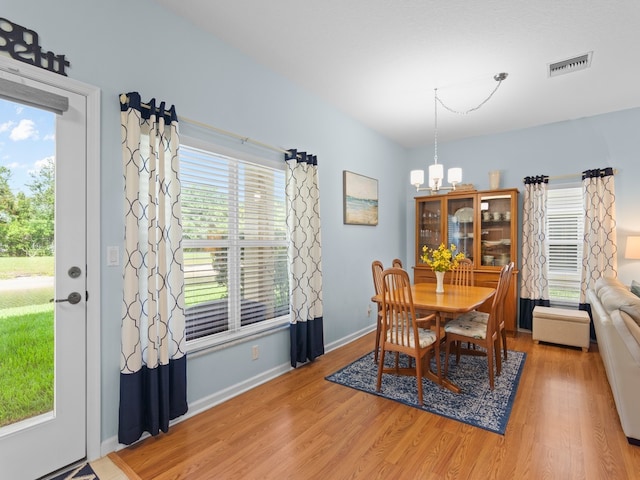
441, 259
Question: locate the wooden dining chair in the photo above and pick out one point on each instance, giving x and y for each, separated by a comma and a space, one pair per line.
463, 273
396, 263
502, 331
469, 327
400, 331
377, 269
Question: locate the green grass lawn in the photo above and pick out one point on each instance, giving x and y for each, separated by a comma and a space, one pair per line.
26, 341
26, 362
11, 267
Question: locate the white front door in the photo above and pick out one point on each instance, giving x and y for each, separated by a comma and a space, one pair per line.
49, 338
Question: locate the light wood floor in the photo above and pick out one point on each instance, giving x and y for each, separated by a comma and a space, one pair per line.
299, 426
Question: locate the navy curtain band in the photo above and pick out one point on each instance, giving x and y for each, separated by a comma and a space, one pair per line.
597, 172
301, 157
136, 103
536, 180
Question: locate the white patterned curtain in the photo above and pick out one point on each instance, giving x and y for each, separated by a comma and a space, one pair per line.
305, 254
534, 289
153, 360
599, 254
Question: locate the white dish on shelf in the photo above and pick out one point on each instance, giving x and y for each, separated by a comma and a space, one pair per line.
506, 241
492, 243
464, 215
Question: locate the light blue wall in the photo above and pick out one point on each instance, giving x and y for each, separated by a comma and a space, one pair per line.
113, 44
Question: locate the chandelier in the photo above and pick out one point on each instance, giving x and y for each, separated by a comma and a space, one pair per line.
436, 171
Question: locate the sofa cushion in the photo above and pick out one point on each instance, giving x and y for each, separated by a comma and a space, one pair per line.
635, 288
603, 282
614, 297
634, 328
633, 313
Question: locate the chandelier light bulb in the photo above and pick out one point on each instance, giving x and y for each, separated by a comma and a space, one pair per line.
436, 174
454, 175
417, 177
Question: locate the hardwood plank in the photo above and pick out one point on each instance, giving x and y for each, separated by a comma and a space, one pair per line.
563, 425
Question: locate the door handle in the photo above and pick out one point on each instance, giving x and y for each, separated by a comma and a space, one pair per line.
73, 298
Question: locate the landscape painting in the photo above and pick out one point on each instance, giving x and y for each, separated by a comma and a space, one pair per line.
360, 199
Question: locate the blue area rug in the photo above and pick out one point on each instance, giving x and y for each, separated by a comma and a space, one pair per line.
82, 472
476, 404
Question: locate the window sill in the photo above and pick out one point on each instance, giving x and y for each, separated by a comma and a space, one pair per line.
224, 340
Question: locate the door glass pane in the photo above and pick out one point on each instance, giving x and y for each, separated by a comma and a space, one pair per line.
27, 169
495, 230
430, 230
460, 231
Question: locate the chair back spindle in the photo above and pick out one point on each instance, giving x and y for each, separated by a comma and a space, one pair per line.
463, 273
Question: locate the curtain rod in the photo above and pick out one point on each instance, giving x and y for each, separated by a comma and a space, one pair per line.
124, 99
572, 175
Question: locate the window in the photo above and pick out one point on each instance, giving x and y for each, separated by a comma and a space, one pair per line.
565, 227
235, 246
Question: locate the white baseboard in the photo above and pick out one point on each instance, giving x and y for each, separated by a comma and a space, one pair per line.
111, 444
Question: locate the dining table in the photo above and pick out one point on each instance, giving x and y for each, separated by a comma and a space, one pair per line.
454, 301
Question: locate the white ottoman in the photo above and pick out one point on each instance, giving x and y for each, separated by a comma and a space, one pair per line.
562, 326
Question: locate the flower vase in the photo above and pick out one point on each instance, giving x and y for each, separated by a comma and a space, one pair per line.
439, 282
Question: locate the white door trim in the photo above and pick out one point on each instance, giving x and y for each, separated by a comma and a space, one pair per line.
92, 95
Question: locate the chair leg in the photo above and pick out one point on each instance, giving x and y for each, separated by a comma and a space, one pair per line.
490, 366
447, 349
419, 379
380, 365
378, 328
504, 343
496, 349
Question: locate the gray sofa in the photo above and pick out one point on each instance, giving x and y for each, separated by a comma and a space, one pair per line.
616, 318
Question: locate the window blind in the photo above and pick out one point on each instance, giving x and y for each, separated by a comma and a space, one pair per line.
565, 227
235, 243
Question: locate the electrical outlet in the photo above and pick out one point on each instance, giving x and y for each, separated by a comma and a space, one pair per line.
255, 352
368, 310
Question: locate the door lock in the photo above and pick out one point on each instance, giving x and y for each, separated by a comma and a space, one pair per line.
73, 298
74, 272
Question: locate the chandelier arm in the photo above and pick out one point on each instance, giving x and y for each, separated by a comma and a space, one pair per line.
466, 112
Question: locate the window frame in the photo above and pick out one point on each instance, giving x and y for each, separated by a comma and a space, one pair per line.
255, 330
558, 278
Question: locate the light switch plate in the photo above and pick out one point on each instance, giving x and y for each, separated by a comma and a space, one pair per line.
113, 256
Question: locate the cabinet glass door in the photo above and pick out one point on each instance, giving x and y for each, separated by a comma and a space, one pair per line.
460, 220
495, 230
430, 222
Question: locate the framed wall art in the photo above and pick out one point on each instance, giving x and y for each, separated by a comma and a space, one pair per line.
360, 199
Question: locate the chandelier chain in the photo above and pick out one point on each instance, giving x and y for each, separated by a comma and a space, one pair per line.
435, 135
466, 112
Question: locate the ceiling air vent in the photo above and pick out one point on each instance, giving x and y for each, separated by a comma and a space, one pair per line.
570, 65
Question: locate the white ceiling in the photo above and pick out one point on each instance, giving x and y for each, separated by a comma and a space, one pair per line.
380, 60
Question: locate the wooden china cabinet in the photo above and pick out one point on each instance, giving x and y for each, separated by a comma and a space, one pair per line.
481, 224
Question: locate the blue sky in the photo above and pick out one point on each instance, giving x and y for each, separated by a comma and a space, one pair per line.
27, 139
